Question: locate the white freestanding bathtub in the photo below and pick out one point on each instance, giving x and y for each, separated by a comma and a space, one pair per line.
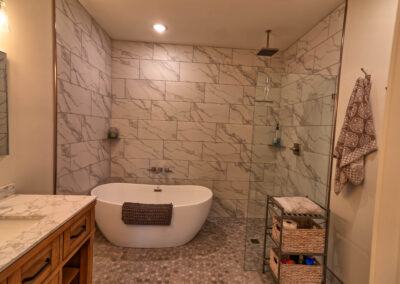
191, 205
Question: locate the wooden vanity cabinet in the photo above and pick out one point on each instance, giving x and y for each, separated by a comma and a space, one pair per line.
66, 256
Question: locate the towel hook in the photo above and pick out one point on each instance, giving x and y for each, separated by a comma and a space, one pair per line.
367, 76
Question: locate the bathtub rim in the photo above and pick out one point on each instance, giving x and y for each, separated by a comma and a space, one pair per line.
92, 193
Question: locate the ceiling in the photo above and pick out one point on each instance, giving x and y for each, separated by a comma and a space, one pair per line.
224, 23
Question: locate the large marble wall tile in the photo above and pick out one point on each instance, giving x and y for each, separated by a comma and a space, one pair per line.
99, 173
263, 135
125, 68
257, 172
210, 112
159, 70
94, 128
68, 34
143, 149
173, 52
314, 37
286, 115
63, 63
260, 113
84, 75
332, 70
122, 167
101, 38
230, 189
205, 54
224, 152
63, 159
304, 64
86, 153
101, 105
289, 54
317, 86
328, 53
69, 128
336, 19
234, 133
145, 89
328, 110
133, 109
163, 110
238, 171
315, 139
207, 170
118, 88
127, 128
157, 129
223, 208
72, 98
93, 53
292, 93
230, 94
196, 131
286, 159
74, 11
129, 49
308, 113
185, 92
263, 154
237, 75
242, 114
299, 185
249, 57
180, 169
105, 84
313, 166
117, 148
199, 72
249, 95
77, 182
246, 152
182, 150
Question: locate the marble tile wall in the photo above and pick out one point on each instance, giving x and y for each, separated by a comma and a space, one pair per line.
83, 99
3, 106
307, 108
189, 108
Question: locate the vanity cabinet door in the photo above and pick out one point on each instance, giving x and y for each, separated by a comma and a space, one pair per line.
41, 264
75, 234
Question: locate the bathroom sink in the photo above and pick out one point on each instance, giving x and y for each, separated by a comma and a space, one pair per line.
11, 226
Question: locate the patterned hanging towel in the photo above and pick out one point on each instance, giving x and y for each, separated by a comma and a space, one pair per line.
357, 138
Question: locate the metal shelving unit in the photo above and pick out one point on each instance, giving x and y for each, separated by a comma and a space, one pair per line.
275, 208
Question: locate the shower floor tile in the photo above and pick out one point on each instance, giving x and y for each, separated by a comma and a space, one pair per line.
215, 255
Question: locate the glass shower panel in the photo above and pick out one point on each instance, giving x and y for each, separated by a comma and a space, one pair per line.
303, 106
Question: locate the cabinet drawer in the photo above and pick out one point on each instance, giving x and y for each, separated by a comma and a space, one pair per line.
76, 233
41, 264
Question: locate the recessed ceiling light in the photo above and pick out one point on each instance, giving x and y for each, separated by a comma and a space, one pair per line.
159, 28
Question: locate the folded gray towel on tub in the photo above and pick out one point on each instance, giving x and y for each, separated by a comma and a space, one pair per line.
146, 214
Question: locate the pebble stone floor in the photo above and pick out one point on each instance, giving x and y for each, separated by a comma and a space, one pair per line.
215, 255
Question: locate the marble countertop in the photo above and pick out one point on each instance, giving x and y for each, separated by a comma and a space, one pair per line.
53, 211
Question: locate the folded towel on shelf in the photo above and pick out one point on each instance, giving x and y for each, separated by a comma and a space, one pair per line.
299, 205
357, 138
146, 214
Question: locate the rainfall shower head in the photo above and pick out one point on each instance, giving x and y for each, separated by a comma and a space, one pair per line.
268, 51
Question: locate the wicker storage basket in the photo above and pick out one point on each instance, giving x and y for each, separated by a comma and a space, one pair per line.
295, 273
304, 239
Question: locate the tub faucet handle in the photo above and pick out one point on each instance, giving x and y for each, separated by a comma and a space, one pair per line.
153, 169
167, 170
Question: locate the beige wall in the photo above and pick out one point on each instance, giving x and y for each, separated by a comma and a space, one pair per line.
385, 254
30, 58
368, 44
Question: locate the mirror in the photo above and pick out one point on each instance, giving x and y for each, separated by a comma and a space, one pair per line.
3, 105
